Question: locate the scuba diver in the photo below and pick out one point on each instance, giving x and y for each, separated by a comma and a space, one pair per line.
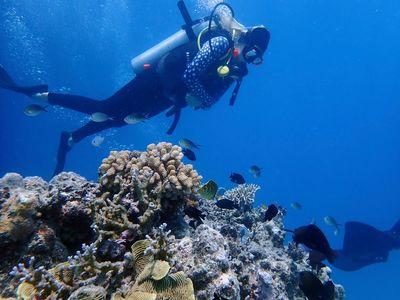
194, 67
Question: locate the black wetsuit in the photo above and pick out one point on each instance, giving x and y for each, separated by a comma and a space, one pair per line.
143, 95
184, 70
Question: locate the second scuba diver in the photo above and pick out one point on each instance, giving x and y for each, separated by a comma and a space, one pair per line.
197, 71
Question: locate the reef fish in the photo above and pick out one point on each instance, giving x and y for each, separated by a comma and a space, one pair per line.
33, 110
208, 190
186, 143
296, 205
313, 238
255, 170
271, 212
99, 117
189, 154
135, 118
329, 220
237, 178
313, 288
97, 141
194, 212
315, 259
227, 204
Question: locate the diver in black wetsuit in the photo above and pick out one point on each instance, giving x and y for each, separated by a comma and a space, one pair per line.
195, 73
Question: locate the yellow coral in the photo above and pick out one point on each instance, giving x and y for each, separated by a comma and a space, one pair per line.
141, 260
26, 291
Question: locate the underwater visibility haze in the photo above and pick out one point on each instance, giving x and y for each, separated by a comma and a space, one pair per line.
316, 125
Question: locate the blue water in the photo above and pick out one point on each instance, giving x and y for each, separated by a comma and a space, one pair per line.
320, 116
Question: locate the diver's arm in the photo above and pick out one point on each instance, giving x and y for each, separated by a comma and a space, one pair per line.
203, 59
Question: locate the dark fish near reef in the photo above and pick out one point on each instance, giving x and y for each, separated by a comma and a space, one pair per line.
194, 212
195, 223
208, 190
313, 238
255, 170
237, 178
227, 204
271, 212
315, 259
110, 251
313, 288
218, 297
189, 154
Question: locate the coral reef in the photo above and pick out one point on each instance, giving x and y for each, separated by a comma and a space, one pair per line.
140, 189
127, 237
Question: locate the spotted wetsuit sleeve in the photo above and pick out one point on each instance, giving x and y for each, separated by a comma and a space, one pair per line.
203, 59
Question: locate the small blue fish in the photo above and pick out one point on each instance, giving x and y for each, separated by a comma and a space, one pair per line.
34, 110
237, 178
188, 144
99, 117
189, 154
255, 170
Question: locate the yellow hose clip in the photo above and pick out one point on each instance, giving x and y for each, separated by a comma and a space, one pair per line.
223, 71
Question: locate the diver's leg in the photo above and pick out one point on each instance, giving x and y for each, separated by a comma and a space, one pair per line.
68, 139
77, 103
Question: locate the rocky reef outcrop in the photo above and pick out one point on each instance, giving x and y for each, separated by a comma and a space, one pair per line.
127, 237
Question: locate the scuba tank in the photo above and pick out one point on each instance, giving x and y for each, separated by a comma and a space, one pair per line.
189, 32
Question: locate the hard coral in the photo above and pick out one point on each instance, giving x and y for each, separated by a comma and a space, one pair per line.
159, 171
137, 189
153, 279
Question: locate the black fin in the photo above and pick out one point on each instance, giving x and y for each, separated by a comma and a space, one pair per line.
63, 149
5, 78
6, 82
396, 228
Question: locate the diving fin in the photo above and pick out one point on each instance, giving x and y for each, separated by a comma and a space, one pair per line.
63, 148
6, 82
396, 228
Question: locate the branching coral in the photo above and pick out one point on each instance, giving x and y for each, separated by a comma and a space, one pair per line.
82, 269
243, 195
159, 243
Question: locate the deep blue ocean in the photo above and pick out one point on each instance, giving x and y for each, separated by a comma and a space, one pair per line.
320, 116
